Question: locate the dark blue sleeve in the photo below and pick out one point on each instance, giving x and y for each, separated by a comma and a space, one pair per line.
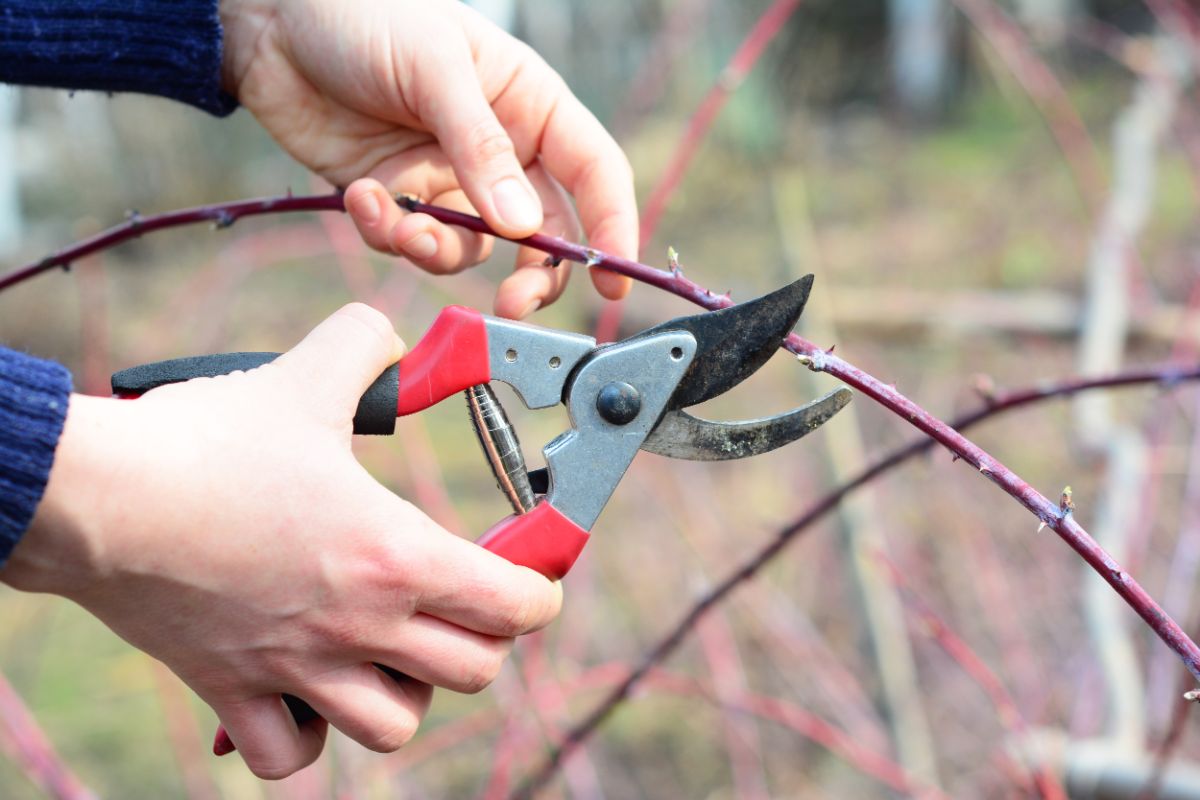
33, 406
169, 48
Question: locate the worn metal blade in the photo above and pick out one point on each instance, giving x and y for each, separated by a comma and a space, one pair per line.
734, 342
680, 435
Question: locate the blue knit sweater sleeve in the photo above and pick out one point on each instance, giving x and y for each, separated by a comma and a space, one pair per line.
33, 406
170, 48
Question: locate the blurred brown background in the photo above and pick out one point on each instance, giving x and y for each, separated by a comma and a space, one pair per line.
990, 194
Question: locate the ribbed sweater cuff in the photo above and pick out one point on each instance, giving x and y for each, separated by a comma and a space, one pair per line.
33, 406
170, 48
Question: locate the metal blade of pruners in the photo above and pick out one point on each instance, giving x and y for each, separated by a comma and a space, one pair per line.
732, 344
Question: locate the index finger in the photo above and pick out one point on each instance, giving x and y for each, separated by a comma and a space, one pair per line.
588, 162
479, 590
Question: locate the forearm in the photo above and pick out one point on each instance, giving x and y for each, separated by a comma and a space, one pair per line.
34, 396
168, 48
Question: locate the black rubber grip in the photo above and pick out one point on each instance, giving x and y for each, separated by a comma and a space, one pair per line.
376, 413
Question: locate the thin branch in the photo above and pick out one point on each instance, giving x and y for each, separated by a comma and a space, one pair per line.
1062, 523
808, 725
1047, 94
730, 78
548, 704
187, 745
221, 215
1010, 717
1168, 375
23, 741
1169, 745
743, 745
674, 38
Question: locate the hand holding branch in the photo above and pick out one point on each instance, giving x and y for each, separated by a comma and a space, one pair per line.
429, 99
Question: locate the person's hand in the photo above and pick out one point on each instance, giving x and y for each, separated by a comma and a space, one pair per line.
428, 98
223, 526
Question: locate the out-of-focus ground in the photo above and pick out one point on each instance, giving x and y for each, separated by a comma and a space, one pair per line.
951, 249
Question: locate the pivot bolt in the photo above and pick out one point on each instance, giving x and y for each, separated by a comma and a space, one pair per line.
619, 403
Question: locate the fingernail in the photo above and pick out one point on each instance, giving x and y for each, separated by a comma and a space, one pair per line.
422, 246
515, 205
368, 208
533, 306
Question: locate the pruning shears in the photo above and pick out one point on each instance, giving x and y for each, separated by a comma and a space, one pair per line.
621, 398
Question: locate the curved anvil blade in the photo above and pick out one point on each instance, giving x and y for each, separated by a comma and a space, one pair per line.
680, 435
734, 342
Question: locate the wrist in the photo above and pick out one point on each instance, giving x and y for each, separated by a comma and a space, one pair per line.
62, 552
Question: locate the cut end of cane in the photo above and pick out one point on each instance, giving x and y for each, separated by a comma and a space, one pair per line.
222, 744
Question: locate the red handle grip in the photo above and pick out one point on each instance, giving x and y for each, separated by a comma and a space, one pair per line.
451, 356
543, 539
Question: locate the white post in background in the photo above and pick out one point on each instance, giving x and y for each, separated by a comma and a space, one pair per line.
920, 31
502, 12
1048, 19
10, 196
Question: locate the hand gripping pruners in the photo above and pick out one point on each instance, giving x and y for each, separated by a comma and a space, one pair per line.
621, 398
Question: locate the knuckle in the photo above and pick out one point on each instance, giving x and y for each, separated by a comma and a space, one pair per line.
528, 609
346, 635
519, 617
485, 671
282, 664
488, 142
392, 738
271, 771
394, 570
372, 318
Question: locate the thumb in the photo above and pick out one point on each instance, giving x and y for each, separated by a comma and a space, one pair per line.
480, 150
340, 358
